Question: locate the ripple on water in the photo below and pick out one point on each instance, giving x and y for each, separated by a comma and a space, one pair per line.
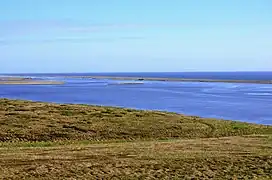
260, 94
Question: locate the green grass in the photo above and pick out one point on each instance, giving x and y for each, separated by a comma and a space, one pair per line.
30, 121
52, 141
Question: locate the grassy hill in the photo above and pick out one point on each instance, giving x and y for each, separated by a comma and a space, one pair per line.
53, 141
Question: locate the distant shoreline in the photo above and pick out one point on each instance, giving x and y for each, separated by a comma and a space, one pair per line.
30, 83
174, 79
26, 81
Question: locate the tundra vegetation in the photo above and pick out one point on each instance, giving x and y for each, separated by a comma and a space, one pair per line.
60, 141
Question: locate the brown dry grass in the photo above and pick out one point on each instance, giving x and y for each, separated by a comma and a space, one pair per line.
51, 141
216, 158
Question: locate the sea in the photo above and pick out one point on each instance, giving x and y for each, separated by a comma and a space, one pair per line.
230, 101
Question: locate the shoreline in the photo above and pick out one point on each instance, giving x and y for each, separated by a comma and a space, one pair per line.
16, 80
135, 109
174, 79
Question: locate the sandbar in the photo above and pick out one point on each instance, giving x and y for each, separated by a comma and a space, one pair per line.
26, 81
176, 79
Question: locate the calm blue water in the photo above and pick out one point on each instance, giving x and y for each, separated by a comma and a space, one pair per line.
189, 75
244, 102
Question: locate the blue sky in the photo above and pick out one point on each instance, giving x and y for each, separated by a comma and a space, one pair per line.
135, 36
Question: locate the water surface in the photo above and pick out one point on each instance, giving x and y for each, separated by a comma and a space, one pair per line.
233, 101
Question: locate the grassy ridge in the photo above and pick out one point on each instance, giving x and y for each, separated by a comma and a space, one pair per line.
30, 121
52, 141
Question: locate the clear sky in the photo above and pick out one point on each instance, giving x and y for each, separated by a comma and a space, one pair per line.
135, 35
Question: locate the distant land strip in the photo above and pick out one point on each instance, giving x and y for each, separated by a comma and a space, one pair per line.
26, 81
14, 79
31, 82
175, 79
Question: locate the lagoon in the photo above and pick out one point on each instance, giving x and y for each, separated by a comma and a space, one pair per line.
231, 101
